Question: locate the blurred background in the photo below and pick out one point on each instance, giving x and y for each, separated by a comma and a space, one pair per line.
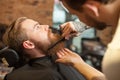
90, 45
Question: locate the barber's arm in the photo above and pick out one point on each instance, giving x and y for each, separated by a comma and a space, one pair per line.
68, 57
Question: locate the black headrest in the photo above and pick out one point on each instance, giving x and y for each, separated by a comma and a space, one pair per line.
8, 56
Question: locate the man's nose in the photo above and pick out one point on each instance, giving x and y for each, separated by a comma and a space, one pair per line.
46, 27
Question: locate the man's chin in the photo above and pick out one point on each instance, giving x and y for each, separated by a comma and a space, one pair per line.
100, 28
56, 48
100, 25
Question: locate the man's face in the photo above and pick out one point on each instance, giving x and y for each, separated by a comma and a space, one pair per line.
86, 17
40, 35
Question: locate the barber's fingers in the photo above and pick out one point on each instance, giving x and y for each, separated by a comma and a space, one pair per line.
60, 54
71, 35
68, 32
61, 61
67, 51
67, 28
69, 24
65, 56
64, 53
63, 25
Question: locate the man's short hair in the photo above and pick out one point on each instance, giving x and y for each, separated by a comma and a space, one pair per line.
77, 4
14, 35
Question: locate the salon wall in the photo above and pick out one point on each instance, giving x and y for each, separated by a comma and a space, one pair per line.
40, 10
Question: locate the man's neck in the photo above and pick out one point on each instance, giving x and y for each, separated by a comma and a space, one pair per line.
37, 53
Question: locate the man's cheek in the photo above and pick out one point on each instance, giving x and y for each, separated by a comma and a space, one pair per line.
54, 38
56, 48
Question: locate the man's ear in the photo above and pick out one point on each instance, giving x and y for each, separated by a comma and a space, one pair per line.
28, 44
93, 6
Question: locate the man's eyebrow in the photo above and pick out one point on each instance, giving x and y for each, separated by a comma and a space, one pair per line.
35, 24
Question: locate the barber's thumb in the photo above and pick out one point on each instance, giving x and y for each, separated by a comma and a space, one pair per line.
70, 36
58, 61
73, 34
67, 37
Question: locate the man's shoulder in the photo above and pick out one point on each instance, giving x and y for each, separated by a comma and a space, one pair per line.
17, 71
70, 73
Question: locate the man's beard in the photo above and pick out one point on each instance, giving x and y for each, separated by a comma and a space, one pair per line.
40, 46
56, 42
100, 25
97, 24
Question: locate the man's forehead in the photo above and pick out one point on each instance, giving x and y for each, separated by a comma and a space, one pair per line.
28, 22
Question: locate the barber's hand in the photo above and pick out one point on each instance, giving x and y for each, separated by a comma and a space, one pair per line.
68, 57
68, 30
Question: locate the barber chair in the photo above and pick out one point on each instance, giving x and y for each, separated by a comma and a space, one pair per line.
8, 57
93, 51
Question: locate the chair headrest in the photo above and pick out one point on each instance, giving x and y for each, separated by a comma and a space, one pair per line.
8, 56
